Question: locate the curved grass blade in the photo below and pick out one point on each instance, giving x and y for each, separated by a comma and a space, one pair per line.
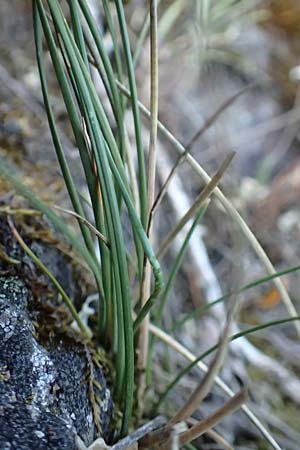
117, 99
202, 309
143, 338
52, 278
214, 418
166, 290
83, 220
188, 368
77, 30
58, 224
230, 209
112, 30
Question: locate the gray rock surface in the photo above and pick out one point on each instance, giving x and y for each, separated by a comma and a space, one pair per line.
52, 386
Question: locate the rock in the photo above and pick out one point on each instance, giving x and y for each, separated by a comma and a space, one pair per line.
52, 385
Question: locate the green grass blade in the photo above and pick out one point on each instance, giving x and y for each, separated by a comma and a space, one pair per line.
112, 30
71, 107
202, 309
188, 368
230, 210
52, 278
166, 291
77, 30
136, 114
69, 181
176, 266
201, 198
59, 225
117, 99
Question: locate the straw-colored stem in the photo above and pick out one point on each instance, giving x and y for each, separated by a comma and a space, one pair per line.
213, 419
202, 197
143, 344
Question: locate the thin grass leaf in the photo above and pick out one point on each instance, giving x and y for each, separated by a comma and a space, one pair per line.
81, 79
176, 266
119, 176
142, 37
95, 60
112, 30
117, 100
7, 172
207, 382
162, 438
153, 107
143, 342
238, 335
76, 123
158, 313
72, 109
208, 123
77, 30
118, 172
219, 439
5, 257
52, 278
83, 220
136, 114
202, 309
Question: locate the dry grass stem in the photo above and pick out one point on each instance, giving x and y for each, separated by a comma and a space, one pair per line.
85, 222
162, 438
208, 123
143, 344
207, 383
209, 422
204, 195
219, 439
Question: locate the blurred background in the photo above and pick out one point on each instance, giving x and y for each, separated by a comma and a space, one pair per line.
242, 56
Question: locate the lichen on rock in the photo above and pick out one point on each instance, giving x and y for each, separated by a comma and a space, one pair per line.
46, 371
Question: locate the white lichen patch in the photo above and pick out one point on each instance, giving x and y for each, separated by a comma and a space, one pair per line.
42, 368
8, 323
39, 434
106, 401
